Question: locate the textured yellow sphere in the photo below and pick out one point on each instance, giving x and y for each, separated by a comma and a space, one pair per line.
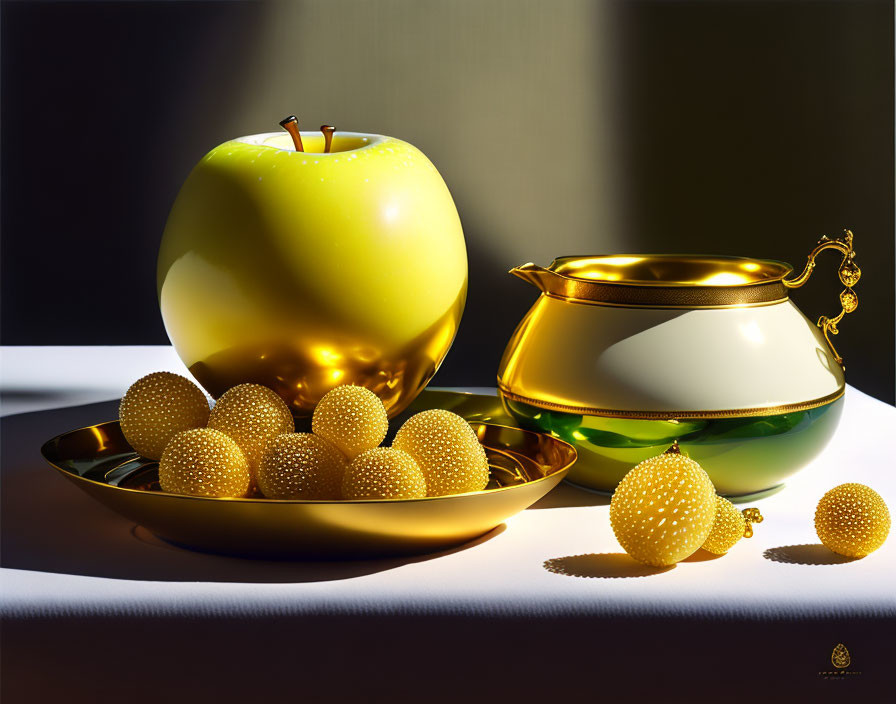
156, 408
252, 415
852, 520
383, 473
204, 462
729, 527
352, 418
301, 466
447, 450
663, 509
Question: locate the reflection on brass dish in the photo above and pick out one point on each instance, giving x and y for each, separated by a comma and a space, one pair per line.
524, 467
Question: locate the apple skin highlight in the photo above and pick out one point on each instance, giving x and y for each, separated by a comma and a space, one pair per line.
303, 271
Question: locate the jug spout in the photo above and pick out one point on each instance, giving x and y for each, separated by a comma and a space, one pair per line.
536, 275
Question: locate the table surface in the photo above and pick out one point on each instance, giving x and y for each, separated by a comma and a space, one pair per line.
67, 560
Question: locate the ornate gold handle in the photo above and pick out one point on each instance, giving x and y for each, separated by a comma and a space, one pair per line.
849, 276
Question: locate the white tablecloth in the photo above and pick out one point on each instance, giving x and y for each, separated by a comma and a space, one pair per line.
97, 609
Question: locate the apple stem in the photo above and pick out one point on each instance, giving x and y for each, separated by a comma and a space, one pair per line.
291, 125
328, 131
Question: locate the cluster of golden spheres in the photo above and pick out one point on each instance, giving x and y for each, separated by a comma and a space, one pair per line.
250, 445
435, 452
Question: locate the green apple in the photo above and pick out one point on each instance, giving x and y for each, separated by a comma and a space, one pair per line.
307, 270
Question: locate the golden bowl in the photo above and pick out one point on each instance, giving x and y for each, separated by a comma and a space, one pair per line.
524, 467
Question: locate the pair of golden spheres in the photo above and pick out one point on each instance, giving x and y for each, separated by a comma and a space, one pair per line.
247, 442
666, 508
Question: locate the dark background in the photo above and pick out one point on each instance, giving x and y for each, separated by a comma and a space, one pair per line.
561, 127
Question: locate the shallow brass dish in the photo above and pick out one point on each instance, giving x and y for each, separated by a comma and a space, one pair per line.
524, 467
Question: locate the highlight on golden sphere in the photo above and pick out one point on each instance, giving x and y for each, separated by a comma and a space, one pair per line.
383, 473
447, 450
352, 418
204, 462
301, 466
156, 408
852, 520
663, 509
729, 527
252, 415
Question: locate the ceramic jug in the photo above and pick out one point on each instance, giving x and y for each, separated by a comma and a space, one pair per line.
622, 355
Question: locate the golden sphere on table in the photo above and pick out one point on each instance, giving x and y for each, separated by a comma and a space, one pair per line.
663, 509
252, 415
852, 520
383, 473
301, 466
447, 450
204, 462
352, 418
156, 408
729, 527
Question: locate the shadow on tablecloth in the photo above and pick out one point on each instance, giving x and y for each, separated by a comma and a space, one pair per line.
613, 565
49, 525
815, 554
607, 565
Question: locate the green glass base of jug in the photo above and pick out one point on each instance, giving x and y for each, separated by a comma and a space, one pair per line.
746, 458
